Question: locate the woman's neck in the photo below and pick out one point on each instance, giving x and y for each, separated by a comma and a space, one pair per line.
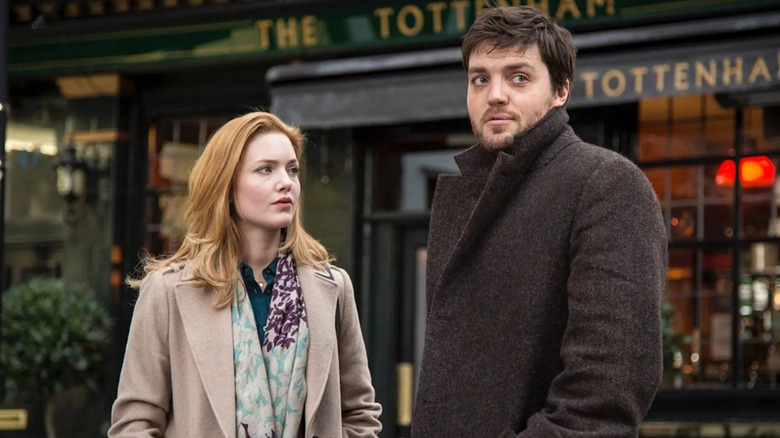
260, 248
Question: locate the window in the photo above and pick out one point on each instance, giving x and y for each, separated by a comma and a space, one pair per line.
174, 145
723, 241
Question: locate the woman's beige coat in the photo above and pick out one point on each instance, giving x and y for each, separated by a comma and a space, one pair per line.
177, 378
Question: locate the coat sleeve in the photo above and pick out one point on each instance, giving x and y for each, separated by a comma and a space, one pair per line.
612, 349
359, 410
144, 393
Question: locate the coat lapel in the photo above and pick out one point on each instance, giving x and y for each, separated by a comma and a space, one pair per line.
472, 201
448, 224
320, 296
210, 337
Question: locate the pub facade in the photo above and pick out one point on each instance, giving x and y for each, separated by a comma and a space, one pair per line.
132, 89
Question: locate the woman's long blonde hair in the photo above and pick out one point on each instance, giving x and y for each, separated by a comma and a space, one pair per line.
213, 244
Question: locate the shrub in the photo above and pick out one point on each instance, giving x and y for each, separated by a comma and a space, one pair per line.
54, 336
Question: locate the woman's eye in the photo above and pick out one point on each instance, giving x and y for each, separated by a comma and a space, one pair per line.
293, 171
264, 169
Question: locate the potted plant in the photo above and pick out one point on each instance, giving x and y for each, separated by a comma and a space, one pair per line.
54, 337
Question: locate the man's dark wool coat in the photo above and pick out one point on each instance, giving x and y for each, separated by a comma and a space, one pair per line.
547, 263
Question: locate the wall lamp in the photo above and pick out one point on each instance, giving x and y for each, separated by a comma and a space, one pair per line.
77, 180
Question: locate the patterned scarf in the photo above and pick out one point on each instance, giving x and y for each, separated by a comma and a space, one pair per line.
271, 379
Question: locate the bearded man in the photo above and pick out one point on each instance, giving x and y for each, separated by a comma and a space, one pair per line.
547, 259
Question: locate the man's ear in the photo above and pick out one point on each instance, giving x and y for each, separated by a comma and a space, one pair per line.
561, 94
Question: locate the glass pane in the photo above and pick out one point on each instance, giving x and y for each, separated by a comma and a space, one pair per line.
687, 139
685, 182
32, 152
718, 221
653, 141
686, 107
174, 146
713, 109
683, 223
654, 109
697, 319
759, 203
719, 136
762, 129
715, 338
759, 310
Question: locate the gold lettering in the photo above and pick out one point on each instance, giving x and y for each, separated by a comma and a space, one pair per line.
72, 9
384, 21
479, 6
145, 5
610, 4
264, 27
660, 71
621, 83
542, 5
436, 9
702, 74
759, 68
97, 8
734, 71
639, 78
309, 29
681, 76
570, 7
24, 13
460, 12
417, 19
286, 33
589, 78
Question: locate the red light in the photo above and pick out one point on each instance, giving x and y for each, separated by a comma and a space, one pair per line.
753, 172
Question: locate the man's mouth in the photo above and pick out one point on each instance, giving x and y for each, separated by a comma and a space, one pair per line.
498, 119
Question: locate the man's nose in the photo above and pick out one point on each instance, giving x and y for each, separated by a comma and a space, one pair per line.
497, 93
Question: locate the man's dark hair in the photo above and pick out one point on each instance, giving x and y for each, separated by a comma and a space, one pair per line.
522, 27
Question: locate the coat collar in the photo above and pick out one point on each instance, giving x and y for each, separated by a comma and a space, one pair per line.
527, 145
210, 338
465, 205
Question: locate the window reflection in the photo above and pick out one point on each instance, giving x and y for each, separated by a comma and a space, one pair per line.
759, 313
174, 145
697, 318
687, 148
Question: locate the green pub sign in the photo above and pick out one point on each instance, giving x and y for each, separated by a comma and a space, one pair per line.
289, 35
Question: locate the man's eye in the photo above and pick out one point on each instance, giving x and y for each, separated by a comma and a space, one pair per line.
519, 78
479, 80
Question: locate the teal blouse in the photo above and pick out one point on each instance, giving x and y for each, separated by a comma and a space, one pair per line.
260, 299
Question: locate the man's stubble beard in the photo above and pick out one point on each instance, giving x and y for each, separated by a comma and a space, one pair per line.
506, 140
